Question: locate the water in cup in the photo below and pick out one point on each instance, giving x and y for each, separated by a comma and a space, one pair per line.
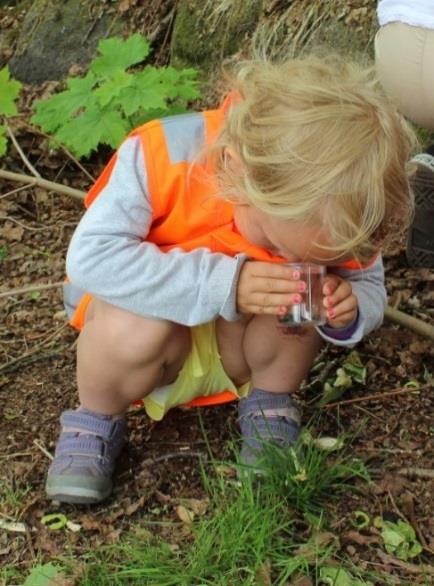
310, 310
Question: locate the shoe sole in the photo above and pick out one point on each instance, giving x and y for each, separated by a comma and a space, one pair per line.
76, 494
423, 187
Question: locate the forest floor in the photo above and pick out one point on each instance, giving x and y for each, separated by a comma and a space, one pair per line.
391, 414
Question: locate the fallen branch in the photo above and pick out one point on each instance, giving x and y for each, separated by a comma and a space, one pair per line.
378, 397
407, 566
30, 289
409, 322
49, 339
25, 160
50, 185
418, 472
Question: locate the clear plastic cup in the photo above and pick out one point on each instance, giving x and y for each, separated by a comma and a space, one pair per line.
310, 312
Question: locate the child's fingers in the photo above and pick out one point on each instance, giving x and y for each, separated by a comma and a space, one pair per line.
349, 305
268, 285
342, 292
272, 304
343, 320
331, 283
273, 271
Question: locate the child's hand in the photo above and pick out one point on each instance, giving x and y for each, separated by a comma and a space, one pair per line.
265, 287
340, 302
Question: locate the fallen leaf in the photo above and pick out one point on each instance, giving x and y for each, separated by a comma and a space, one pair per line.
263, 574
131, 509
11, 232
360, 539
184, 514
198, 506
12, 527
328, 443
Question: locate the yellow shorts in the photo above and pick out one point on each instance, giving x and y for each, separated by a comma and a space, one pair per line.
202, 375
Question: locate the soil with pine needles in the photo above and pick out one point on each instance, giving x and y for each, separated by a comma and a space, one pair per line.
160, 467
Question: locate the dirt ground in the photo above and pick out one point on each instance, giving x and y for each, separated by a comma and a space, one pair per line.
392, 412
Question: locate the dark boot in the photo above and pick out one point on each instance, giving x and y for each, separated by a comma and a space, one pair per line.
420, 244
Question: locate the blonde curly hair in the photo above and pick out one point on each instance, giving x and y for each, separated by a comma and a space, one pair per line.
316, 140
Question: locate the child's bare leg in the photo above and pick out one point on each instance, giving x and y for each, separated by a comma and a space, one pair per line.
230, 340
279, 362
278, 365
122, 357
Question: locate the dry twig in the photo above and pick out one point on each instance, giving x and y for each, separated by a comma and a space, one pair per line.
25, 160
410, 568
50, 185
30, 288
12, 363
378, 397
410, 322
418, 472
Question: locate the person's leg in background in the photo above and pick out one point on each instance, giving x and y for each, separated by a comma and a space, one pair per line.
403, 56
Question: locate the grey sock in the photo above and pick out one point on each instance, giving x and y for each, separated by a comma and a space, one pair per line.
267, 417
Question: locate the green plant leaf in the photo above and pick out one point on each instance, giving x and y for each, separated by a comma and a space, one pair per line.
42, 575
400, 539
94, 126
51, 114
180, 83
338, 577
354, 366
343, 379
9, 90
147, 92
108, 102
118, 82
3, 140
330, 394
119, 54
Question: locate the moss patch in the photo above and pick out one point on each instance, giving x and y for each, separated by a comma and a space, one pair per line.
206, 32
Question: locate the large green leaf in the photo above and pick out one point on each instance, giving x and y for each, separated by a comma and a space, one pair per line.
146, 92
44, 575
9, 90
51, 114
115, 85
119, 54
94, 126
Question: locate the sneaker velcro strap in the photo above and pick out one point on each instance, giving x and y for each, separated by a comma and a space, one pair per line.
83, 421
278, 405
81, 446
290, 413
271, 429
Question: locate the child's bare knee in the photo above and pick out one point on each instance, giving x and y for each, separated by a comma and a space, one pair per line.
266, 342
261, 344
135, 338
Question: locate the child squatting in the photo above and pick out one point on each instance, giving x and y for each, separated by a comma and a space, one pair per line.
177, 274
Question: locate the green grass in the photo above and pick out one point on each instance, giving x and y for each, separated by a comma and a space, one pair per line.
250, 534
12, 497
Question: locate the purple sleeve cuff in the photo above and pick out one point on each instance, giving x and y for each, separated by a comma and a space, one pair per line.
341, 333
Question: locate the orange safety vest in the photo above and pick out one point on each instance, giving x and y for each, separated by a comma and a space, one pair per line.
187, 210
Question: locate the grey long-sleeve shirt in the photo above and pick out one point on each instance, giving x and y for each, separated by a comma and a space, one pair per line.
109, 257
